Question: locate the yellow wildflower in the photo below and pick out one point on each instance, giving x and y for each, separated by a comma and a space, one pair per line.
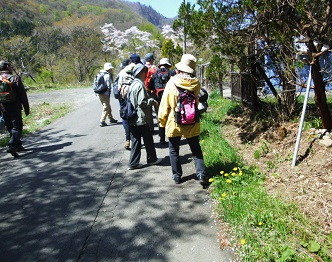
260, 223
226, 174
202, 141
211, 180
233, 174
243, 241
223, 195
235, 169
240, 173
229, 181
222, 172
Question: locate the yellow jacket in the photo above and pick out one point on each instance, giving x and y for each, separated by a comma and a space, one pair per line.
169, 102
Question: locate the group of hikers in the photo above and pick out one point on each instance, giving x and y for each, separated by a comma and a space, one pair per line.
174, 95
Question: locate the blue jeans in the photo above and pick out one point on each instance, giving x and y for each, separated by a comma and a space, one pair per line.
14, 124
124, 123
126, 129
195, 147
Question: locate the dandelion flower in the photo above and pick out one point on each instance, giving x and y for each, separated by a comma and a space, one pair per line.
235, 169
233, 174
260, 223
223, 195
210, 180
229, 181
240, 173
222, 172
226, 174
243, 241
202, 141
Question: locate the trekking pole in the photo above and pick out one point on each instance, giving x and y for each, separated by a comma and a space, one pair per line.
29, 75
297, 145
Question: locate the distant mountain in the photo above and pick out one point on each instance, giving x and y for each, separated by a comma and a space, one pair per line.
150, 14
18, 17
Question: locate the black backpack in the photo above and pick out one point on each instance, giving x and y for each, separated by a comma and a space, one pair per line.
161, 77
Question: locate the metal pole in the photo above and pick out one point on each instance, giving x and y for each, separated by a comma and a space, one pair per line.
298, 139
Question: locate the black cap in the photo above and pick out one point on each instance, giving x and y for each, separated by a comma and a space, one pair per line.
135, 58
124, 63
4, 65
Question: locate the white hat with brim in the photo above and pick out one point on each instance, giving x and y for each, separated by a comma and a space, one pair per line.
164, 61
108, 66
187, 64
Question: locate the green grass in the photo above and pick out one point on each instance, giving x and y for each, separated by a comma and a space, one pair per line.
41, 115
264, 227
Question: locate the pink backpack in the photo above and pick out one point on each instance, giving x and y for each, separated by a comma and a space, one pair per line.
186, 112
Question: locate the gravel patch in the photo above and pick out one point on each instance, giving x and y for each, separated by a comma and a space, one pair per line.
76, 97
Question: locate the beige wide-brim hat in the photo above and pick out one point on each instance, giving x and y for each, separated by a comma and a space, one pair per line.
187, 64
108, 66
164, 61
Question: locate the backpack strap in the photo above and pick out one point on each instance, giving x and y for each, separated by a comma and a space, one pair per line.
181, 91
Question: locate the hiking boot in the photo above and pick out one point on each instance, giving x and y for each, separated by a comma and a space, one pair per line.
177, 179
102, 124
113, 121
201, 179
127, 144
12, 151
20, 149
135, 167
158, 161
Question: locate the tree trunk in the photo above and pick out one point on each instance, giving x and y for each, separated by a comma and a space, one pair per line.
320, 95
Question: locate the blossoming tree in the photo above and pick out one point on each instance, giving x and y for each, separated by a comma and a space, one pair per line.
122, 43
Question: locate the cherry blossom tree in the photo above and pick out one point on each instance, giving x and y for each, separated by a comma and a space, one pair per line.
123, 43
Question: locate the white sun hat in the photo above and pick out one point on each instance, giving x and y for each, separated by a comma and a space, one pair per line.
108, 66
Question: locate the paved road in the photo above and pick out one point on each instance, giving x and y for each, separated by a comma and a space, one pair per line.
70, 197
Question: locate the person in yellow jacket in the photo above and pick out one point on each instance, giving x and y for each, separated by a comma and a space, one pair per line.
185, 79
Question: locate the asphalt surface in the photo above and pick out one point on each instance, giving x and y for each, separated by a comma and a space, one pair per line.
70, 197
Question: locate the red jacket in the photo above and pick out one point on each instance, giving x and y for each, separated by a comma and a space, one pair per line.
151, 70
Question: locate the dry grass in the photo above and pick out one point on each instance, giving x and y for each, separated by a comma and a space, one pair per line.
308, 184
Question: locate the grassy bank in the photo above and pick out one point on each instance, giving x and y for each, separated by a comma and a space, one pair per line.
40, 116
261, 227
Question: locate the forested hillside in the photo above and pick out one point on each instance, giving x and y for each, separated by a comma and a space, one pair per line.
62, 42
150, 14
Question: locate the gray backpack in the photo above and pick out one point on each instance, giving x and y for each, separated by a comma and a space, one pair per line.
99, 84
